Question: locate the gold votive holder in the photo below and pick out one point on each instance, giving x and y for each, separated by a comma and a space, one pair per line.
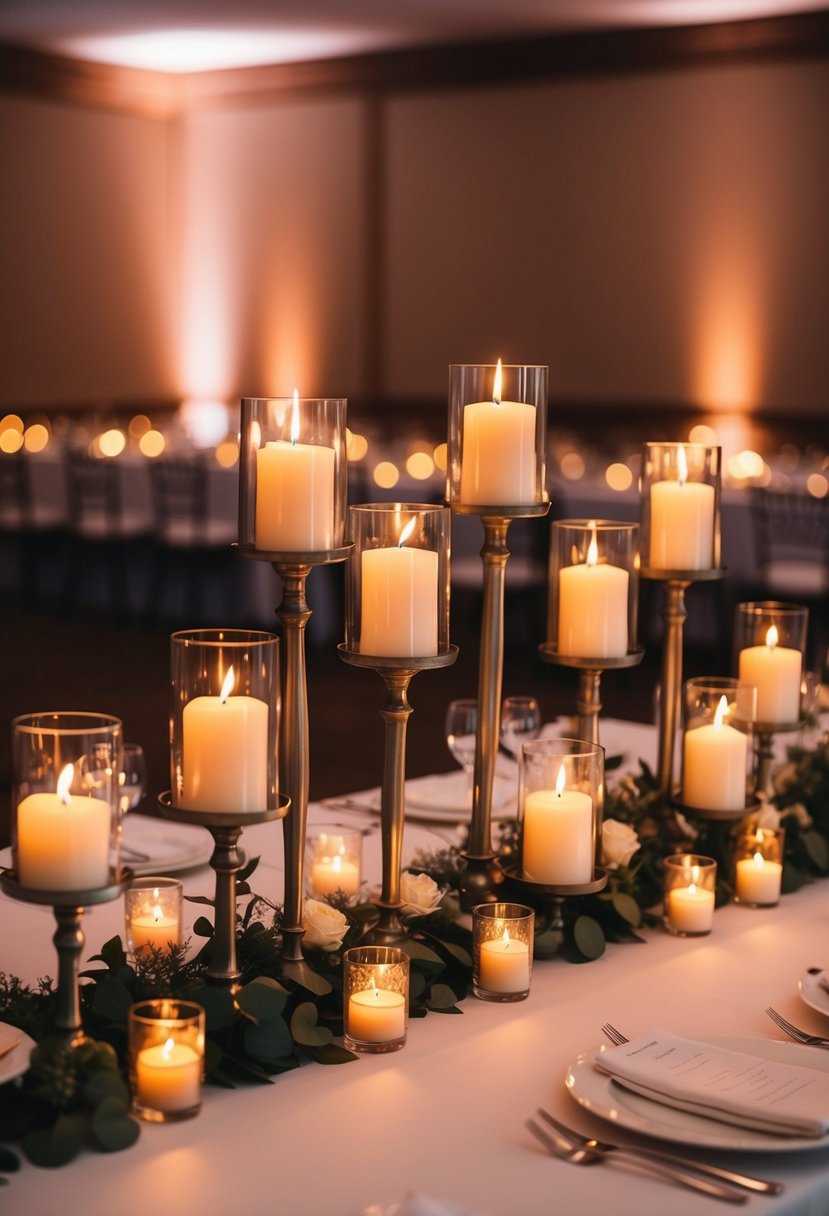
375, 998
690, 887
152, 913
166, 1059
502, 951
758, 870
333, 864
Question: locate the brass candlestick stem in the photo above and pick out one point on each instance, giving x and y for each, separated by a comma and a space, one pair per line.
765, 732
589, 704
397, 674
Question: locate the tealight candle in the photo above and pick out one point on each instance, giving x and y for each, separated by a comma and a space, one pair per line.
758, 874
63, 839
776, 671
333, 874
689, 894
498, 461
375, 998
376, 1015
505, 965
153, 914
168, 1077
502, 950
166, 1058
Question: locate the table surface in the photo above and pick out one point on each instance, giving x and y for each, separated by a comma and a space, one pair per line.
445, 1116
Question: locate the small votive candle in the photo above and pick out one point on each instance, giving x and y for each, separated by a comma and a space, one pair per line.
502, 951
375, 998
166, 1059
152, 909
690, 882
334, 861
759, 869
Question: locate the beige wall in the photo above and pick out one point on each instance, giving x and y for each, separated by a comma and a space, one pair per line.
653, 237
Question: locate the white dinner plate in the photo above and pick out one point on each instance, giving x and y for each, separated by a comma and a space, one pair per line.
445, 798
813, 993
170, 847
15, 1062
600, 1094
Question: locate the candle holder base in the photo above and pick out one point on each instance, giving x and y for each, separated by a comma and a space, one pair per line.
481, 880
552, 897
389, 930
374, 1049
502, 998
226, 861
752, 805
589, 705
765, 732
310, 557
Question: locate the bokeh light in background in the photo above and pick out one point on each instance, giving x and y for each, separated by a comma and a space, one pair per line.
11, 440
420, 466
227, 452
817, 485
151, 443
356, 445
440, 456
205, 423
572, 466
386, 475
703, 435
110, 443
748, 466
618, 477
11, 422
36, 437
139, 425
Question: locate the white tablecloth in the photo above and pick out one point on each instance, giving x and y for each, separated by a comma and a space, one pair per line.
445, 1115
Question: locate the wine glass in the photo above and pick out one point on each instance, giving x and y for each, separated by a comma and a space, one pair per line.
133, 777
520, 722
461, 730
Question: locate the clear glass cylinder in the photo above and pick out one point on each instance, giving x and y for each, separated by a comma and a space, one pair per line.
758, 869
397, 580
593, 594
502, 951
497, 435
333, 862
66, 800
293, 474
717, 753
224, 720
560, 800
770, 639
375, 998
690, 893
152, 914
680, 527
165, 1043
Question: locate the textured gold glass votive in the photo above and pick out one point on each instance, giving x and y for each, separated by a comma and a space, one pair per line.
152, 908
502, 951
166, 1059
375, 998
333, 861
758, 872
690, 883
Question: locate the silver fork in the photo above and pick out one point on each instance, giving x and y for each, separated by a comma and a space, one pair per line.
794, 1032
568, 1150
616, 1037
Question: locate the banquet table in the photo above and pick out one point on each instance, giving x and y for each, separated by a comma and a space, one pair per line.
444, 1117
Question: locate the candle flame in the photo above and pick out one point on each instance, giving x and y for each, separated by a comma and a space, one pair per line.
227, 687
496, 385
758, 860
682, 466
505, 939
772, 637
593, 549
692, 888
560, 781
65, 784
407, 532
722, 711
295, 417
337, 864
157, 913
694, 875
167, 1049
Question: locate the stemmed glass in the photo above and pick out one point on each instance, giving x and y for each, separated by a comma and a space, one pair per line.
520, 723
461, 729
133, 777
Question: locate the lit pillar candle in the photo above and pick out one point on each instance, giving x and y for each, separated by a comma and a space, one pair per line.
681, 522
714, 768
504, 965
758, 880
332, 874
225, 752
691, 909
376, 1015
558, 835
593, 608
63, 839
155, 929
498, 461
399, 600
775, 670
294, 494
168, 1077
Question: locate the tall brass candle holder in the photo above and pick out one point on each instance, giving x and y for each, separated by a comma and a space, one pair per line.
680, 545
65, 834
496, 470
593, 596
397, 600
292, 492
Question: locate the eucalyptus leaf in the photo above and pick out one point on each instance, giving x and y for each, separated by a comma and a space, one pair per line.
200, 899
628, 908
104, 1084
422, 954
305, 1028
113, 953
547, 944
218, 1007
442, 999
112, 1126
417, 985
589, 937
458, 952
262, 998
51, 1147
270, 1041
332, 1053
304, 975
202, 927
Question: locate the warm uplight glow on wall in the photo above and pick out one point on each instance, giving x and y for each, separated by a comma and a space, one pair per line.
10, 440
204, 422
356, 445
227, 453
386, 475
151, 443
619, 477
728, 357
36, 437
420, 466
287, 352
572, 466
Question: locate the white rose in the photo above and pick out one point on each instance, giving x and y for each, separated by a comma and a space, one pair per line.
619, 843
420, 894
324, 926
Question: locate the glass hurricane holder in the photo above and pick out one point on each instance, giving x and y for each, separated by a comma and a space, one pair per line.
502, 951
758, 868
717, 753
495, 469
593, 595
769, 641
152, 914
680, 544
375, 998
690, 888
334, 860
165, 1049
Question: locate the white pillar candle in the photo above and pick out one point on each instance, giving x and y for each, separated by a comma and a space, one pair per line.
155, 929
776, 672
294, 494
691, 909
504, 965
558, 835
168, 1077
63, 839
498, 457
681, 523
714, 767
593, 608
332, 874
758, 880
376, 1015
399, 600
225, 752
